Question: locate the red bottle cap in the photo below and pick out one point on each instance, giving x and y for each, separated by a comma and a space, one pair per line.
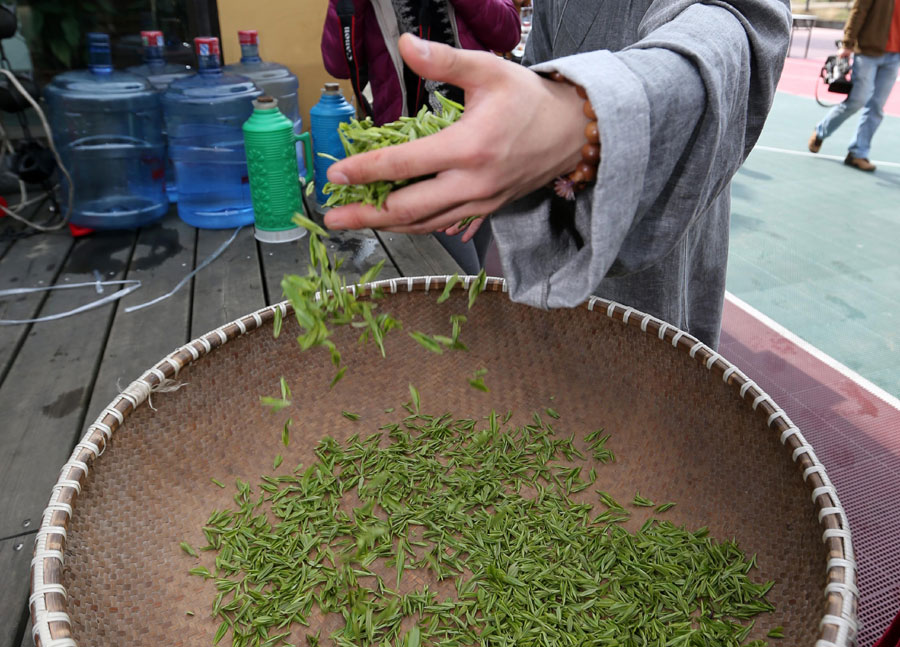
248, 37
206, 46
152, 38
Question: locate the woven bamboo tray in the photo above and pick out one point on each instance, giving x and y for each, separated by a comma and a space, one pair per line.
687, 426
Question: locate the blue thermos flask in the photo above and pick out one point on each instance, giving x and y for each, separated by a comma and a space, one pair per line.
325, 116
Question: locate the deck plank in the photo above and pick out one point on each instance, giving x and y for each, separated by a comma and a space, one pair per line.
27, 640
49, 383
418, 255
29, 262
15, 565
360, 249
163, 255
231, 286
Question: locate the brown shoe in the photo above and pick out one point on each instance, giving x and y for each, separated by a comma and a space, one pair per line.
860, 163
815, 143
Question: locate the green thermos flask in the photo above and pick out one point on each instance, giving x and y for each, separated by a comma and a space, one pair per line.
271, 149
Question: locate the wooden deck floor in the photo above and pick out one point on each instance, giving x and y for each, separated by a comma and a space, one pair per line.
55, 377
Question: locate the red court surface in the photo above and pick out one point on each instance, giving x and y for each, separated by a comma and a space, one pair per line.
800, 74
854, 428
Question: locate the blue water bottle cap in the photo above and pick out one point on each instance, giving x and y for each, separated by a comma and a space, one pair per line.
99, 53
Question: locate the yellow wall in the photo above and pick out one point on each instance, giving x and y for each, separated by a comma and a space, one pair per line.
290, 32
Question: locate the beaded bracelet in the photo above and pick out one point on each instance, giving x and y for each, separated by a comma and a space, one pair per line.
565, 186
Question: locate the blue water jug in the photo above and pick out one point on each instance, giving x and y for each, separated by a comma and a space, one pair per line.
160, 74
204, 114
155, 68
107, 126
274, 80
324, 118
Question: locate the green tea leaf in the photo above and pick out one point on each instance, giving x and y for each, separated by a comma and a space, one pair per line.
274, 404
286, 433
413, 637
414, 392
202, 571
338, 376
302, 221
427, 342
476, 287
477, 382
276, 325
220, 632
448, 288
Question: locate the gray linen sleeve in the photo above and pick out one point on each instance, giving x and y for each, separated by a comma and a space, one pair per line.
678, 112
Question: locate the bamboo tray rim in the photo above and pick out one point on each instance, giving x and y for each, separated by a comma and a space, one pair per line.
48, 603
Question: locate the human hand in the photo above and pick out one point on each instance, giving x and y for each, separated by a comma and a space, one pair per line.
518, 132
468, 227
845, 52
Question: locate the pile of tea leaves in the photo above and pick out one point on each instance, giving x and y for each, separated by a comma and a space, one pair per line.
364, 136
489, 513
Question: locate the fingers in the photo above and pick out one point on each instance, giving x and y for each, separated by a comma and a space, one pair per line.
473, 228
460, 67
450, 219
425, 156
469, 229
417, 202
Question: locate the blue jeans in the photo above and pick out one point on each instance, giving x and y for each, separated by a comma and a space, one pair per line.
873, 79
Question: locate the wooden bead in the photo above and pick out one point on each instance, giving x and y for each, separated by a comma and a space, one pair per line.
590, 153
587, 171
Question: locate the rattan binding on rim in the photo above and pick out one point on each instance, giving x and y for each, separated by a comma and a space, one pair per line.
48, 601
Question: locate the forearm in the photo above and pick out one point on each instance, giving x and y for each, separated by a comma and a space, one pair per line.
678, 113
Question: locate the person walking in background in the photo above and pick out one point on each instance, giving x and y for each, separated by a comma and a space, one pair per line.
371, 50
872, 33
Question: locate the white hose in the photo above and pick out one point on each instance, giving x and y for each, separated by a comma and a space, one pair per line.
71, 193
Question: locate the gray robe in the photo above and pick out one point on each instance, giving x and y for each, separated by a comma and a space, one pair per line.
681, 89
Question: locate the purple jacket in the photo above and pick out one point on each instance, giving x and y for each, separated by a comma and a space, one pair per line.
480, 24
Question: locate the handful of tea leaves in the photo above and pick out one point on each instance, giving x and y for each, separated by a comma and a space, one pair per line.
363, 136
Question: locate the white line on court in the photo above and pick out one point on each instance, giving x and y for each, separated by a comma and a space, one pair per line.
786, 151
820, 355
